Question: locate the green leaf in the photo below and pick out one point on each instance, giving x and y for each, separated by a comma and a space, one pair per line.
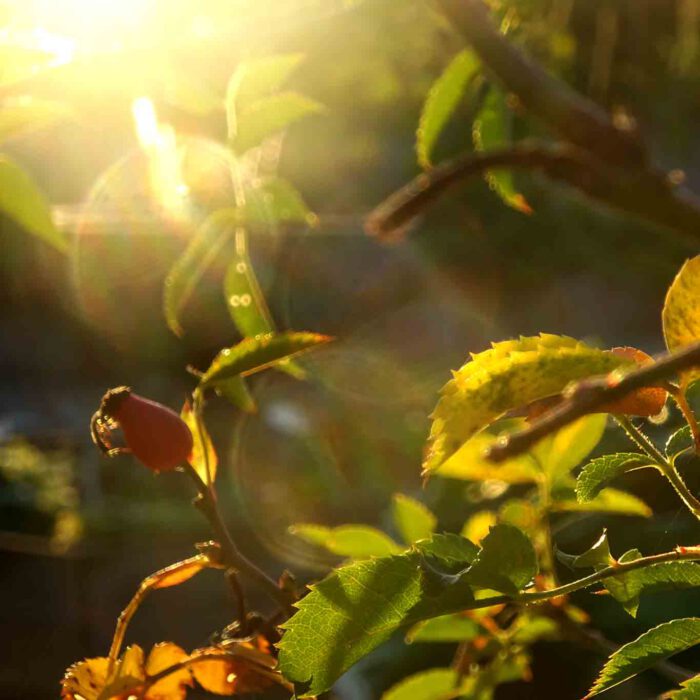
236, 391
255, 354
607, 501
506, 562
22, 201
559, 453
434, 684
681, 312
679, 442
629, 587
690, 690
351, 612
270, 115
445, 628
188, 269
644, 652
412, 519
442, 100
529, 629
511, 374
356, 608
453, 551
601, 471
491, 131
469, 462
276, 200
355, 541
256, 78
22, 115
597, 556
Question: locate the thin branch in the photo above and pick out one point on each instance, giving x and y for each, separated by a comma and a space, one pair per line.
577, 119
591, 394
617, 569
232, 557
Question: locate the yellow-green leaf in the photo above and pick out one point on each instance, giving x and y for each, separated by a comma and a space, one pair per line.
23, 202
681, 313
412, 519
434, 684
607, 501
354, 541
22, 115
203, 458
442, 101
511, 374
255, 354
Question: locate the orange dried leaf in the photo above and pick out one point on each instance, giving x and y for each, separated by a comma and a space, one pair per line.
648, 401
85, 679
234, 674
216, 675
174, 685
179, 572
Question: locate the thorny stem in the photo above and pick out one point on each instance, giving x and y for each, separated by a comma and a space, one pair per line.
661, 463
617, 569
232, 557
679, 397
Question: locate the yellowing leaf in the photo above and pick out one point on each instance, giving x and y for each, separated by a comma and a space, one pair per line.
174, 685
511, 374
85, 679
681, 313
412, 519
478, 525
203, 458
234, 673
356, 541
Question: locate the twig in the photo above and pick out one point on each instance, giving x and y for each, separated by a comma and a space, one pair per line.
577, 119
618, 569
232, 557
591, 394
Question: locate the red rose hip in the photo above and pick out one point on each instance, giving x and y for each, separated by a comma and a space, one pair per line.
153, 433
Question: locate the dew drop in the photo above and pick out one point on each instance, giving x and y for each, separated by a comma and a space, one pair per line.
241, 267
245, 300
234, 300
231, 677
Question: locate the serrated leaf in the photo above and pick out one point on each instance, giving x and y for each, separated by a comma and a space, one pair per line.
629, 587
354, 541
442, 100
506, 562
22, 201
445, 628
255, 354
469, 462
492, 130
203, 458
511, 374
412, 519
559, 453
601, 471
679, 442
255, 78
681, 312
607, 501
270, 115
597, 556
434, 684
690, 690
22, 115
653, 646
453, 551
188, 269
355, 609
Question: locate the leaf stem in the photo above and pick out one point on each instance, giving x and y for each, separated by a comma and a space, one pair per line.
679, 397
661, 463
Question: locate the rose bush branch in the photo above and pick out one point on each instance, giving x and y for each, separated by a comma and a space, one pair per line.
591, 394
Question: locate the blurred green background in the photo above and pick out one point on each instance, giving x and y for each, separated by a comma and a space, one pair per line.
78, 533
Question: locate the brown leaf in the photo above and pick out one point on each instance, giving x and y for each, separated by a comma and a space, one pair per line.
228, 676
85, 679
180, 572
641, 402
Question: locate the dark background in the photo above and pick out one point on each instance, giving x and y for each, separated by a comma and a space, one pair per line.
335, 448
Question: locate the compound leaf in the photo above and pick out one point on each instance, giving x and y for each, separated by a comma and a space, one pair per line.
601, 471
